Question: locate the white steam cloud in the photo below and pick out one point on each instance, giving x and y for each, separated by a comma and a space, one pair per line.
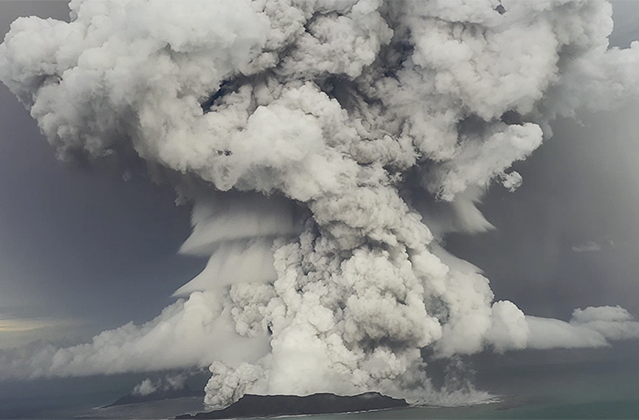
327, 145
165, 384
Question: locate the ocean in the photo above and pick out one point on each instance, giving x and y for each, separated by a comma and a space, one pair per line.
558, 384
549, 409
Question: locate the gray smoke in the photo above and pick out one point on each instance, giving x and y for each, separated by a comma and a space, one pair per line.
327, 146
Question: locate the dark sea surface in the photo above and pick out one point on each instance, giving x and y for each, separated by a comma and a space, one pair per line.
558, 384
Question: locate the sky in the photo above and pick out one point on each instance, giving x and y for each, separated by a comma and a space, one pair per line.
580, 188
83, 250
79, 246
567, 238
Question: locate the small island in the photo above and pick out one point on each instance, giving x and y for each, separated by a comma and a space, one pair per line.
293, 405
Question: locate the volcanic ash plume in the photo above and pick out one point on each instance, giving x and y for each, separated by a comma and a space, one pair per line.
327, 146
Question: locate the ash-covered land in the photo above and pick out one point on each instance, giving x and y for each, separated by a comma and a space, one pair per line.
293, 405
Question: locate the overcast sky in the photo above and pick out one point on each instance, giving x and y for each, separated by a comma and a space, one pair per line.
82, 250
569, 236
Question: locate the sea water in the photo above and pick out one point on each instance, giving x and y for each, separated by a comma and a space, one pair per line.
551, 409
569, 384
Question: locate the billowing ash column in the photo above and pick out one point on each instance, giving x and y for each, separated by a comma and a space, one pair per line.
318, 138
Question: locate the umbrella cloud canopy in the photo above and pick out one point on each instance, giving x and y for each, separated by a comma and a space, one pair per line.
327, 145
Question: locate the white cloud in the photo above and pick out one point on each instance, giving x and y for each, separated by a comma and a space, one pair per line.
192, 332
590, 246
590, 327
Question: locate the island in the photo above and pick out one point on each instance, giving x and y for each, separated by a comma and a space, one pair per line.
293, 405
